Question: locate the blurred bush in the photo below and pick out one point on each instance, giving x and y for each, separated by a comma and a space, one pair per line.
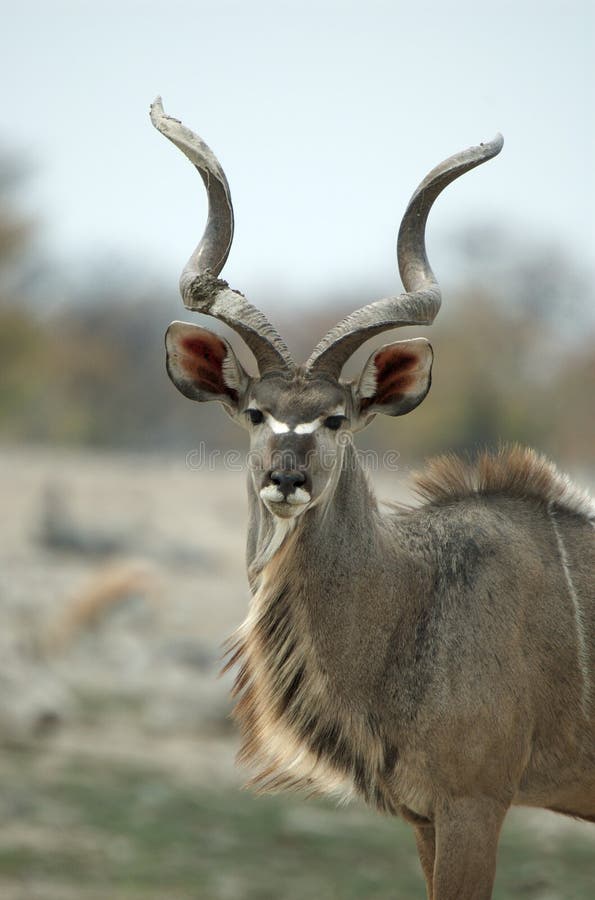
515, 357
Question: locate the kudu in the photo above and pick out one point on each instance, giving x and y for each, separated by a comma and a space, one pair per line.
437, 661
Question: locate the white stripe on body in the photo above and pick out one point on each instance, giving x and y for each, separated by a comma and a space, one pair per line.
579, 619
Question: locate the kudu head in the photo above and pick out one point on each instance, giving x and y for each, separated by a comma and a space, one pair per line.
300, 417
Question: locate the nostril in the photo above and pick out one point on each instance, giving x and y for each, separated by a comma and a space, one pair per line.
287, 481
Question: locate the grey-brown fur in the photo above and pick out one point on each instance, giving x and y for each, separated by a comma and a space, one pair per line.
443, 636
435, 650
437, 661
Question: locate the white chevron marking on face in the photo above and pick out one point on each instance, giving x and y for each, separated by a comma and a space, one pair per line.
283, 428
278, 427
307, 427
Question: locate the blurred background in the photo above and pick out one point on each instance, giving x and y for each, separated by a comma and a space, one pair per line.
123, 531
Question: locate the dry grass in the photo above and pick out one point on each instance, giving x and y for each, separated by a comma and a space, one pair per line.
134, 794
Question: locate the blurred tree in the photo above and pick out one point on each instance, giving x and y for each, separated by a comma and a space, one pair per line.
514, 358
537, 281
16, 229
21, 337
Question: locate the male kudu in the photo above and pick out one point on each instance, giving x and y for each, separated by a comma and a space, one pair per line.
437, 661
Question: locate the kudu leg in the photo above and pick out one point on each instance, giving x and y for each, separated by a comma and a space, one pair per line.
467, 833
425, 838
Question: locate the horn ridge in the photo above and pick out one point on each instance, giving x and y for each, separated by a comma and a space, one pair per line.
203, 293
201, 289
421, 302
414, 267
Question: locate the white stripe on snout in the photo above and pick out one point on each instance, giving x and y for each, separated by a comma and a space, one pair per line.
298, 497
272, 493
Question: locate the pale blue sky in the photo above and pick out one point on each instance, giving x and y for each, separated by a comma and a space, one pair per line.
325, 115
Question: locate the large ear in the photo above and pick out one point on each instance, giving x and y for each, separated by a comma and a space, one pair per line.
203, 366
396, 378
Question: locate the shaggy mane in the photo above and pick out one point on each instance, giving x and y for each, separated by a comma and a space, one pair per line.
512, 471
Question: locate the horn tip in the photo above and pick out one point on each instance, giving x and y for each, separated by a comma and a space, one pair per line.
493, 147
159, 117
156, 109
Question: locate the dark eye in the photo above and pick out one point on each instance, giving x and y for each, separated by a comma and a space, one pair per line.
255, 416
334, 422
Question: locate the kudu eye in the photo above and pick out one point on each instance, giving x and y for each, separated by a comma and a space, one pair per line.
255, 416
334, 422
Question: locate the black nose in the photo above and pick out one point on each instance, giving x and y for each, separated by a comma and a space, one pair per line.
287, 480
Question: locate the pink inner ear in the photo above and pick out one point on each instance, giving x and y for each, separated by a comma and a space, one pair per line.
201, 358
394, 375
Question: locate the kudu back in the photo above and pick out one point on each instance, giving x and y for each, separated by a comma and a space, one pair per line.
437, 661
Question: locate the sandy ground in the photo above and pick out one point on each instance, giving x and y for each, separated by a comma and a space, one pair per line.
120, 577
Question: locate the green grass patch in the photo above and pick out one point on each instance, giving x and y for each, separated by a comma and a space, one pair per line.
128, 833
